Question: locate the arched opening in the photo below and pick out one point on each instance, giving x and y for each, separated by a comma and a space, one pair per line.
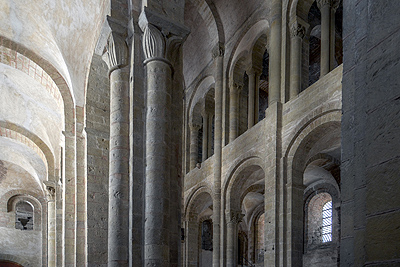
198, 233
24, 216
244, 206
315, 171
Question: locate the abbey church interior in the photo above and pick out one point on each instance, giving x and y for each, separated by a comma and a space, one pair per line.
199, 133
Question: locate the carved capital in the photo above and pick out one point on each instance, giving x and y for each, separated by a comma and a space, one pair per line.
218, 50
297, 30
153, 42
236, 87
194, 126
50, 190
116, 55
162, 37
192, 217
331, 3
234, 217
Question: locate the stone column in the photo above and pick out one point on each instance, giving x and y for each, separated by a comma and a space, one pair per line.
69, 194
257, 97
252, 91
332, 36
210, 134
297, 33
275, 36
325, 8
51, 226
194, 132
81, 189
218, 55
205, 135
232, 219
116, 57
192, 241
234, 92
156, 231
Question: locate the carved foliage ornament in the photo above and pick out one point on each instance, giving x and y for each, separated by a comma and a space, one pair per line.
116, 51
153, 42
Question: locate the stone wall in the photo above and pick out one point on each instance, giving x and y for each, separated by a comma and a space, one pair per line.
370, 134
98, 131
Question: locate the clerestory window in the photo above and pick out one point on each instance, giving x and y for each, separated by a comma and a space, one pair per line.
327, 222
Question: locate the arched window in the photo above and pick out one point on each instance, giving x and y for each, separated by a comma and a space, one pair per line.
24, 216
327, 222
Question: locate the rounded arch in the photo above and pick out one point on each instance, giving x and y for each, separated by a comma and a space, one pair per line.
296, 157
299, 8
246, 41
48, 68
198, 199
235, 182
200, 91
329, 112
17, 132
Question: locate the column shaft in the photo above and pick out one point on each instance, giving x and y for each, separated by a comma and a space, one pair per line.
295, 66
210, 135
118, 207
194, 132
257, 98
252, 93
69, 199
332, 39
230, 246
205, 136
325, 43
233, 112
274, 94
192, 243
218, 158
51, 233
157, 192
